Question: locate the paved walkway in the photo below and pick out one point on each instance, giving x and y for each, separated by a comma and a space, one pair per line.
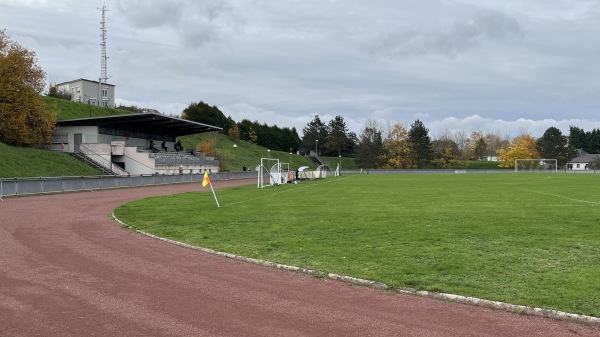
67, 269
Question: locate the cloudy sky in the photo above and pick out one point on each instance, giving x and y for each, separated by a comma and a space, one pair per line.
496, 66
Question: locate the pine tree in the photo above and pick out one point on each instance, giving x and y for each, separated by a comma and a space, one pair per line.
337, 139
313, 134
369, 150
420, 144
553, 145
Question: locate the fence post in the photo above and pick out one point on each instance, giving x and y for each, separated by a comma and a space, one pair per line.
1, 190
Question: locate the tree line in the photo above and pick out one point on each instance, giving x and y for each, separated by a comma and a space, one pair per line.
26, 120
269, 136
398, 147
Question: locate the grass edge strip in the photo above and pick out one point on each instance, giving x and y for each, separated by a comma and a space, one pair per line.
501, 306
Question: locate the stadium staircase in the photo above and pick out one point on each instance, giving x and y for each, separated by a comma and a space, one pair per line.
317, 161
103, 165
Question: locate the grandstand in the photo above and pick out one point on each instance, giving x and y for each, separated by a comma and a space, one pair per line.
123, 144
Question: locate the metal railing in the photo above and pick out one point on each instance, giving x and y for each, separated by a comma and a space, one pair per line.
103, 164
43, 185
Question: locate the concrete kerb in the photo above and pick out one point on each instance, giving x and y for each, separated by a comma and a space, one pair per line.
501, 306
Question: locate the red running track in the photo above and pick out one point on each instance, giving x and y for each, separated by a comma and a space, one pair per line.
68, 269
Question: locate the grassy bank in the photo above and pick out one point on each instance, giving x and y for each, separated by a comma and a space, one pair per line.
19, 162
243, 154
73, 110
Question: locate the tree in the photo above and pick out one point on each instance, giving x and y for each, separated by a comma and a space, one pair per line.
24, 118
588, 141
577, 138
396, 148
460, 138
593, 141
203, 113
595, 164
252, 137
234, 132
420, 144
54, 92
337, 139
494, 141
553, 145
314, 133
369, 150
521, 147
475, 146
444, 147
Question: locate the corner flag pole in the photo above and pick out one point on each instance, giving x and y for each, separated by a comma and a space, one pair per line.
206, 181
211, 188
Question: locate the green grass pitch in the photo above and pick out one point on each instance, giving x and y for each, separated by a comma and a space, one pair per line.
528, 239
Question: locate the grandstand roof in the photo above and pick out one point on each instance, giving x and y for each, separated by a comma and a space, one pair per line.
143, 122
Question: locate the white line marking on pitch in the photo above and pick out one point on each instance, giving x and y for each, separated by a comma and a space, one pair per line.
567, 198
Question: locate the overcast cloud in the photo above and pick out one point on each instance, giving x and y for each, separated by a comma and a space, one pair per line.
493, 66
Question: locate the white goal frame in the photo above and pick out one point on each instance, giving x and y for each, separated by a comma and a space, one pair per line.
266, 167
536, 165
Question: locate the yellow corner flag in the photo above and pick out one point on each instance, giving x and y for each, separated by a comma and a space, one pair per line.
205, 180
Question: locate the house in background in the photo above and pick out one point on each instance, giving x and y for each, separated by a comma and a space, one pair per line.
583, 161
89, 92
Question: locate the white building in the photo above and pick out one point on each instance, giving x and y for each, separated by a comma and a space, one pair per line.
583, 162
89, 92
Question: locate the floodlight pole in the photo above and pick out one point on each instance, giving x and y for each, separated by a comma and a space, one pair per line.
340, 165
316, 148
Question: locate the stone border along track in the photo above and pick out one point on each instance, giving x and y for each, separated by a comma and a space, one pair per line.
512, 308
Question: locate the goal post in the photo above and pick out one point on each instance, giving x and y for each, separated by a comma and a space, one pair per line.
536, 165
270, 168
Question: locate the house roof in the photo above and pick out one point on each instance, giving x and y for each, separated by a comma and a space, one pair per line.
143, 122
84, 80
586, 158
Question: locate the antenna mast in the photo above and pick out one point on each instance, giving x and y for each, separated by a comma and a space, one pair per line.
103, 57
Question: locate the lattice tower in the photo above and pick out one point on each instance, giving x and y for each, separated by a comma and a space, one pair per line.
103, 57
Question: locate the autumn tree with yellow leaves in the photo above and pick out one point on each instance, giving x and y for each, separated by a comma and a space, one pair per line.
521, 147
24, 118
397, 149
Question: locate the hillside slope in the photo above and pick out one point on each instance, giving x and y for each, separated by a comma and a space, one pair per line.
72, 110
26, 162
20, 162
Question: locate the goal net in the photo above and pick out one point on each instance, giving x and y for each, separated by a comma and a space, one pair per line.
269, 172
536, 165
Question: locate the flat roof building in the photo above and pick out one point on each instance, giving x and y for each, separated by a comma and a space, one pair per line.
89, 92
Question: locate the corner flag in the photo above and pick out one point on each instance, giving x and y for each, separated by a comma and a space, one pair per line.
205, 180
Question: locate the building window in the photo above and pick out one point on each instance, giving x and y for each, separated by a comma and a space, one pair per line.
104, 92
78, 89
577, 165
105, 104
